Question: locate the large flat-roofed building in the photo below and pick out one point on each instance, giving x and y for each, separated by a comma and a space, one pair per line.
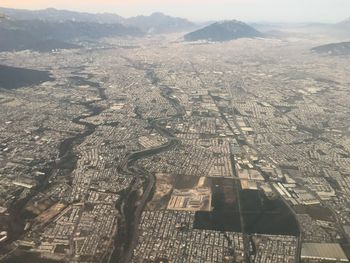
323, 251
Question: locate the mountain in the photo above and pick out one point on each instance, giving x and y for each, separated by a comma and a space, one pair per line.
48, 29
345, 23
47, 35
155, 23
55, 15
334, 49
223, 31
160, 23
342, 29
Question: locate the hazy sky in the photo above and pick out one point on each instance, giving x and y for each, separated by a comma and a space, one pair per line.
200, 10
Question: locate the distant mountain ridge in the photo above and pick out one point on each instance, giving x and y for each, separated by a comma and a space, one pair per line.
154, 23
48, 29
46, 35
345, 22
223, 31
55, 15
160, 23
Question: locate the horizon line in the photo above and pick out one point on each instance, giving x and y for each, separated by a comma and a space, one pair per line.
177, 16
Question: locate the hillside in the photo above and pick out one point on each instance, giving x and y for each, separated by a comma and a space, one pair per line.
334, 49
154, 23
13, 77
160, 23
46, 35
55, 15
223, 31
